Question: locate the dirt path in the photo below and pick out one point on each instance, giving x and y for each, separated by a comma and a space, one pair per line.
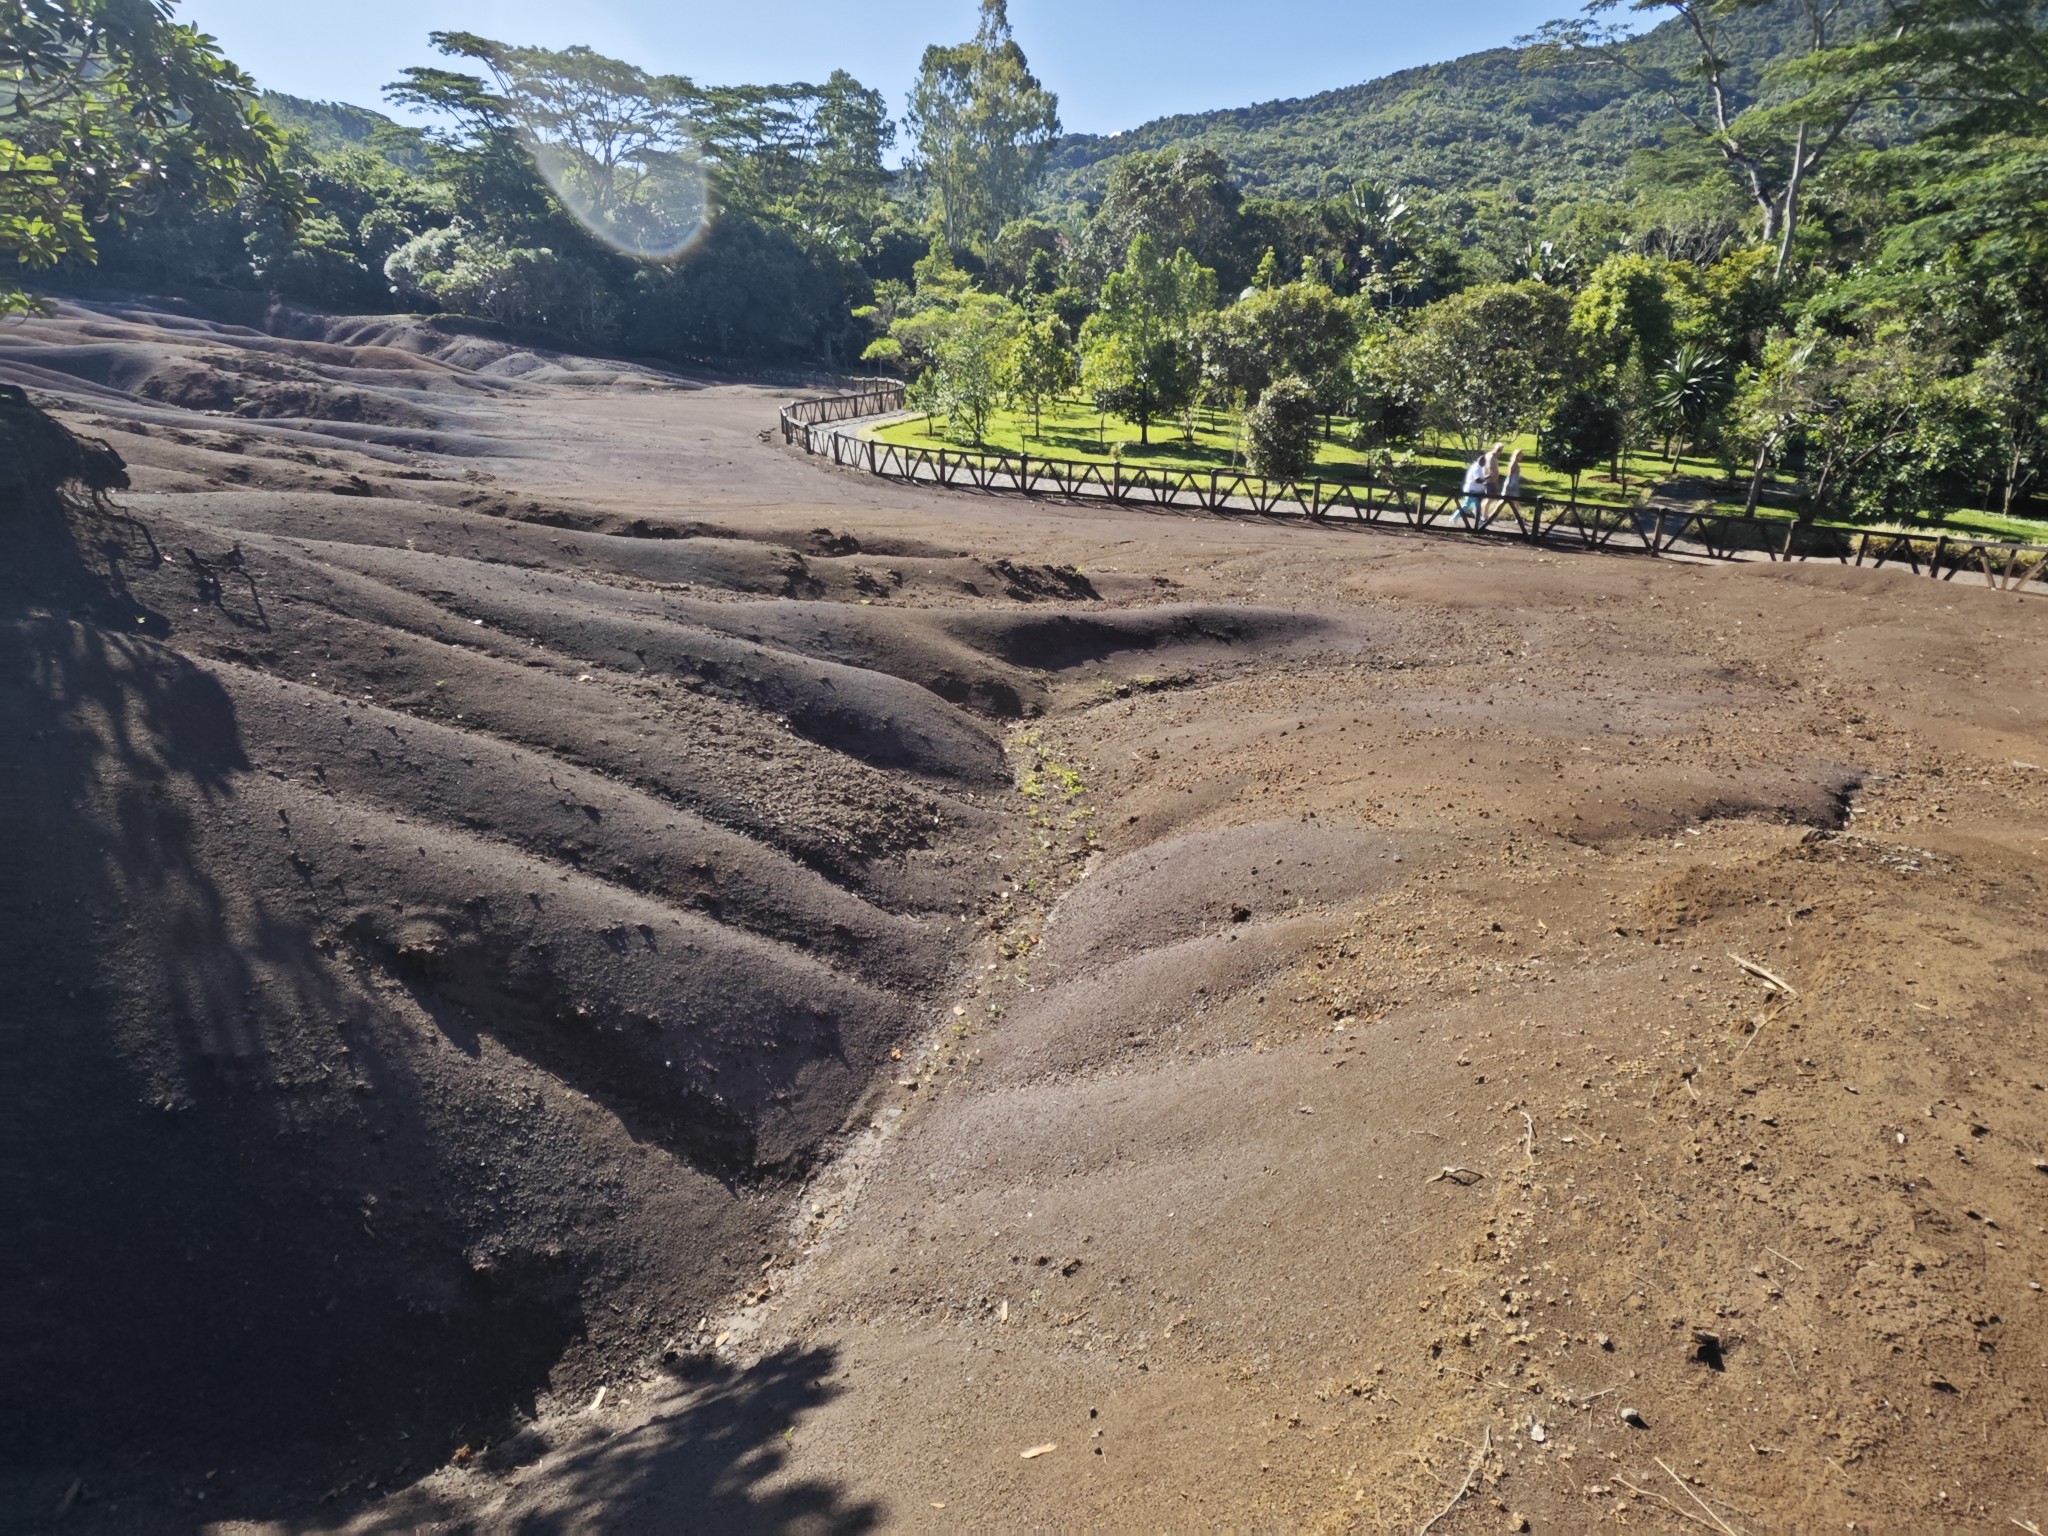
1306, 1023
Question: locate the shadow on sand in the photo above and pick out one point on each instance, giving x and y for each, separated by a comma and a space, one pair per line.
200, 1311
718, 1460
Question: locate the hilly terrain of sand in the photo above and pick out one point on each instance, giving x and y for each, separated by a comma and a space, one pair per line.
567, 968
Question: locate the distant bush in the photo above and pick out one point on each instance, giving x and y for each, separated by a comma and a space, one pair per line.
529, 286
1280, 432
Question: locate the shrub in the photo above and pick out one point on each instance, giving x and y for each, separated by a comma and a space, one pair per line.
1584, 430
1280, 432
462, 270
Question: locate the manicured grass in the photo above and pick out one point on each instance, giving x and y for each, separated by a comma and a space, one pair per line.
1965, 523
1073, 430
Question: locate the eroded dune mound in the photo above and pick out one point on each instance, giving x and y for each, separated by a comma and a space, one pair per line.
384, 990
435, 938
383, 385
575, 970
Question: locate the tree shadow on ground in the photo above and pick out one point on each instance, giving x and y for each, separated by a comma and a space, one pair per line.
190, 1278
718, 1460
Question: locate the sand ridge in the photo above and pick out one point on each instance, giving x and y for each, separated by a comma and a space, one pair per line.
878, 981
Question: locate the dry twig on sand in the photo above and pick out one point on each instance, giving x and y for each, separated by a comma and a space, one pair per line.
1676, 1508
1761, 1020
1529, 1136
1718, 1521
1761, 974
1471, 1472
1456, 1175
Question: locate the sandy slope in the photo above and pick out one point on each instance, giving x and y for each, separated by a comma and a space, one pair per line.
1257, 1012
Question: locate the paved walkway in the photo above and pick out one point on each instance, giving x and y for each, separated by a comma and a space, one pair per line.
1440, 523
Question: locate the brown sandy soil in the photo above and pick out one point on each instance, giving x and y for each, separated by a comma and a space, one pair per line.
658, 986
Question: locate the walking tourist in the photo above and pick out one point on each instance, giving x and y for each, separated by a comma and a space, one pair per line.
1473, 491
1511, 485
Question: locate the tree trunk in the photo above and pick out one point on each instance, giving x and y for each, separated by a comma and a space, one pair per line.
1791, 223
1817, 503
1756, 481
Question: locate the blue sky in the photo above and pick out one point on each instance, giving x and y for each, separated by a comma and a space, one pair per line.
1115, 63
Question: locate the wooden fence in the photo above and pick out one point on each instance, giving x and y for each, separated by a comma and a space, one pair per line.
1568, 523
828, 410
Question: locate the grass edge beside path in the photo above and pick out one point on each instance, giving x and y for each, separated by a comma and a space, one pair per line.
1075, 432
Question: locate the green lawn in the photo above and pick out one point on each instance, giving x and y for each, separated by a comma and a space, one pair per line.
1073, 430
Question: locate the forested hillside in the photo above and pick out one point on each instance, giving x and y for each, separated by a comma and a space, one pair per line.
1507, 117
333, 128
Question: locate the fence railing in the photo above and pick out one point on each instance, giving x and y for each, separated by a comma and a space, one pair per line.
828, 410
1569, 522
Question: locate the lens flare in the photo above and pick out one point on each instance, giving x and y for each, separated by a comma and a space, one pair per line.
653, 204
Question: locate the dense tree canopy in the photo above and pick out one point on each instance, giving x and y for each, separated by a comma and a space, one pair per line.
1798, 243
105, 106
1182, 199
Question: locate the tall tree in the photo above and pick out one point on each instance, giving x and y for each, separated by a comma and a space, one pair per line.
1485, 362
983, 125
1185, 199
852, 135
107, 103
1138, 353
613, 141
633, 154
1961, 256
1771, 153
1979, 67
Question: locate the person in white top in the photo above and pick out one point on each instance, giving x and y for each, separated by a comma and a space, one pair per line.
1511, 485
1482, 479
1473, 488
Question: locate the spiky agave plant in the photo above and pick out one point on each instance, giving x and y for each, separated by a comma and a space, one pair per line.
1688, 387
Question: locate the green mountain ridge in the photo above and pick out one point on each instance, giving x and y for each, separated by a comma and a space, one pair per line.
335, 127
1490, 120
330, 125
1484, 121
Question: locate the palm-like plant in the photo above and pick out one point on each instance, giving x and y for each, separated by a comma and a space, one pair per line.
1687, 389
1551, 264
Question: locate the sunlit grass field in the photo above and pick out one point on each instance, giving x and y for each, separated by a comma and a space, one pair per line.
1072, 429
